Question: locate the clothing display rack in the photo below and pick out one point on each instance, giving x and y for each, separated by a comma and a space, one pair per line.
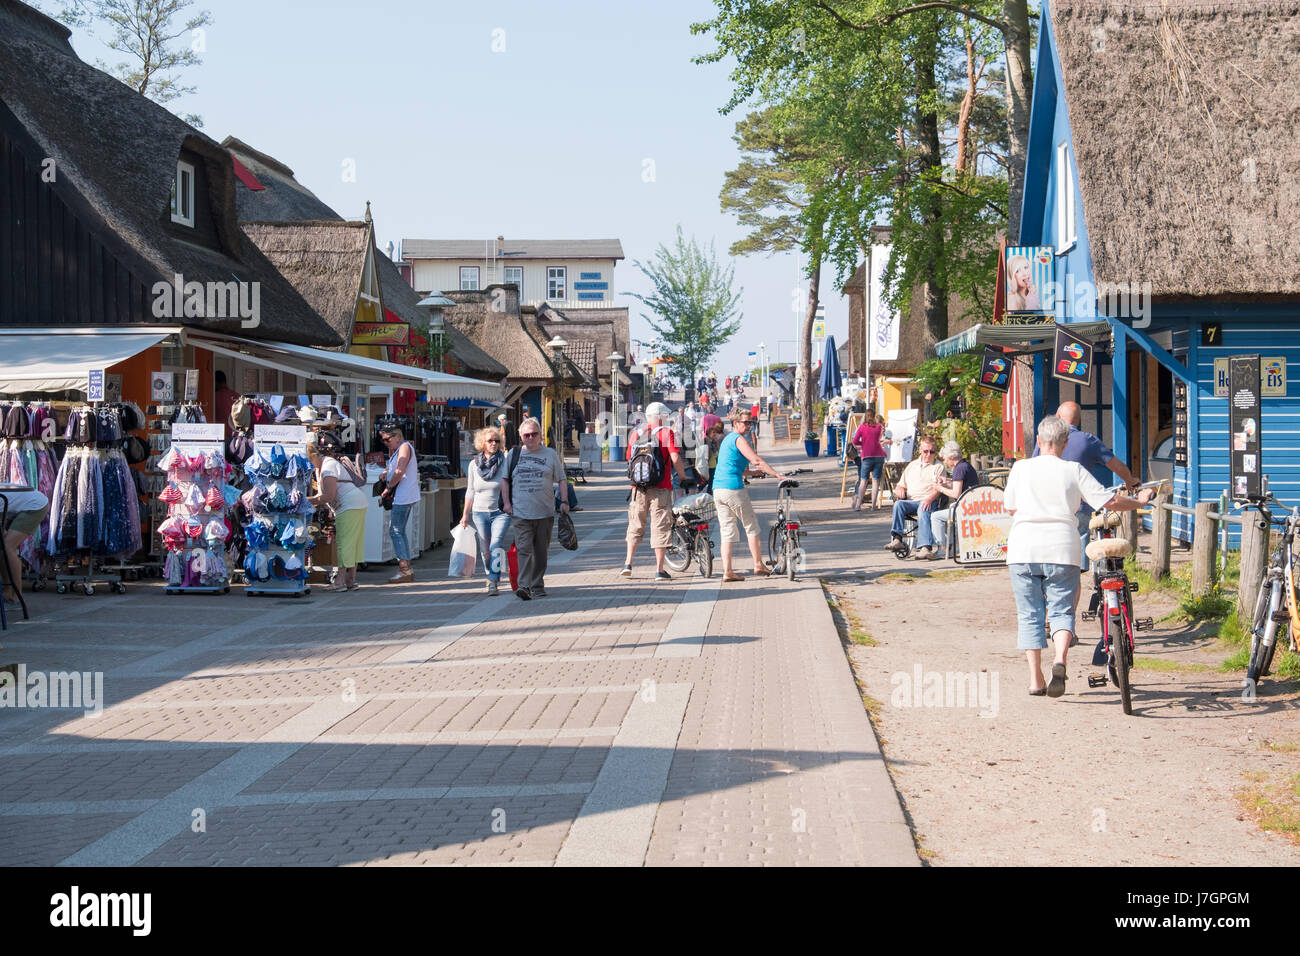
197, 496
278, 536
94, 504
28, 458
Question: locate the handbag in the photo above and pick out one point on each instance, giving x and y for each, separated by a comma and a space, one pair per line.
566, 533
378, 489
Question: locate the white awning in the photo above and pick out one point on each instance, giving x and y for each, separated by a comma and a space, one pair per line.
1023, 339
58, 360
343, 367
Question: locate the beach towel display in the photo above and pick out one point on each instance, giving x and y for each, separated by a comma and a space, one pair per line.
197, 495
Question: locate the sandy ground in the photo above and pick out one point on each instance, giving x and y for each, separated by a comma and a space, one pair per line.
1011, 779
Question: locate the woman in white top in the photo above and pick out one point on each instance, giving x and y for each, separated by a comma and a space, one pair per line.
403, 488
1043, 550
347, 501
487, 498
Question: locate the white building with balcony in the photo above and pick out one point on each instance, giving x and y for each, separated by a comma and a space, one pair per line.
561, 273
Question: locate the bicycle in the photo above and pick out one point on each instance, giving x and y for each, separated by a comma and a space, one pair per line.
1275, 606
783, 550
1112, 592
690, 535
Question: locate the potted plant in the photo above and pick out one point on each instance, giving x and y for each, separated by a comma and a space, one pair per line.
812, 444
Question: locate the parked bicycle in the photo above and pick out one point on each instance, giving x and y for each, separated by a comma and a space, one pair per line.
691, 538
1112, 602
1276, 613
783, 547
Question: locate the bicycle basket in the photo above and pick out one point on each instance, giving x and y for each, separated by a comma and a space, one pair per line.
700, 505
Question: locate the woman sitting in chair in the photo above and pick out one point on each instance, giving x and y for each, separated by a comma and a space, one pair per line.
961, 475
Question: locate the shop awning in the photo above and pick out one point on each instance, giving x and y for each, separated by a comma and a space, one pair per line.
1021, 339
57, 360
343, 367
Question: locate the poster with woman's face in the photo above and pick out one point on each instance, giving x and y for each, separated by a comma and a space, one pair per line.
1028, 274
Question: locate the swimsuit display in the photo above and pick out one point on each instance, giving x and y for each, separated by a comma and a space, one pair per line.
197, 494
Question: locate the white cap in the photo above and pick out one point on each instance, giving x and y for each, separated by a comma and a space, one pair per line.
657, 410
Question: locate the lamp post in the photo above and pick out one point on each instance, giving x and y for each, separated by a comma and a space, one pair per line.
556, 345
435, 303
615, 445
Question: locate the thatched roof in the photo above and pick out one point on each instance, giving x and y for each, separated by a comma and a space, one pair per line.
324, 261
606, 329
502, 334
512, 248
115, 153
283, 200
403, 302
1183, 116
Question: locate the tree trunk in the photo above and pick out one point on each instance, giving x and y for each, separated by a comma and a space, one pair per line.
934, 296
967, 107
809, 392
1020, 81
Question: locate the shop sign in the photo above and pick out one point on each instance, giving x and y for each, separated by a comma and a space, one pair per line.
1028, 277
981, 525
1072, 359
1272, 376
95, 387
198, 431
280, 433
995, 371
381, 333
1244, 425
162, 387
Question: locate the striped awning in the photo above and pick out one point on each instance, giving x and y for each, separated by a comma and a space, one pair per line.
1021, 339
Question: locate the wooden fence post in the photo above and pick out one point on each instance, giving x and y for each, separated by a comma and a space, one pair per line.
1204, 541
1254, 562
1162, 537
1130, 523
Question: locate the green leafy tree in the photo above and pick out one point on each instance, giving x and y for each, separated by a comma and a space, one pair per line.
697, 311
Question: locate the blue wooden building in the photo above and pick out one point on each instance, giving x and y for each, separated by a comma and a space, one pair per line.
1163, 171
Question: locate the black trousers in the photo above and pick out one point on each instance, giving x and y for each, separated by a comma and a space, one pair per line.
533, 542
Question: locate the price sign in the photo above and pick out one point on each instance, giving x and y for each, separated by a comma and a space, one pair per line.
95, 387
191, 385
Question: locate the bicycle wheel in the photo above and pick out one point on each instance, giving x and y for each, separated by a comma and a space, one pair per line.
1261, 654
678, 556
791, 556
776, 546
704, 553
1122, 654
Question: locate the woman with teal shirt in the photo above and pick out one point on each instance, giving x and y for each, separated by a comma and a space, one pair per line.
737, 460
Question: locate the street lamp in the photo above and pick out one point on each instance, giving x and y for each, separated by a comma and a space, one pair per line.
435, 303
615, 451
556, 345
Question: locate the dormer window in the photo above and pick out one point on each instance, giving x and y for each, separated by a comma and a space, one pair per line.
183, 195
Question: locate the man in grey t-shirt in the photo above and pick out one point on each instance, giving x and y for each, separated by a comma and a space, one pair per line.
538, 468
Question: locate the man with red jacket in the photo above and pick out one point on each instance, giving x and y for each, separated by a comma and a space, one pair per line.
654, 503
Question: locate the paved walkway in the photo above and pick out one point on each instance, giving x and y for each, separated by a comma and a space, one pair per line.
615, 722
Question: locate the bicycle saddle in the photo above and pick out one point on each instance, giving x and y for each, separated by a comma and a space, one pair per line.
1104, 519
788, 483
1108, 548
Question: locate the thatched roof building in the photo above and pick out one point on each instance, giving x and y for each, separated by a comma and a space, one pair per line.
1183, 115
514, 334
110, 236
283, 200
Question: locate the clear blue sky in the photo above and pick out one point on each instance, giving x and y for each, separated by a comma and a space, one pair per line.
452, 140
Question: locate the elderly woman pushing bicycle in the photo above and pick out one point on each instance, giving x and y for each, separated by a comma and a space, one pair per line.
735, 456
1043, 550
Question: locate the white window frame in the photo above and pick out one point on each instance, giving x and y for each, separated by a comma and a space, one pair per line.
1067, 214
183, 189
463, 286
506, 280
552, 274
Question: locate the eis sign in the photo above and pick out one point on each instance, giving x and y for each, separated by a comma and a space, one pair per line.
1072, 358
981, 524
995, 371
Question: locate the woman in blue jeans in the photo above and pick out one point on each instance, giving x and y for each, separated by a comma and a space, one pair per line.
487, 500
1043, 549
403, 487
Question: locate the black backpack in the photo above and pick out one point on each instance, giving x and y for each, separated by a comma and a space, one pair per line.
645, 468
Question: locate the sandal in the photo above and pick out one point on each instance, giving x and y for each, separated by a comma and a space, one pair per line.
335, 589
762, 572
1057, 687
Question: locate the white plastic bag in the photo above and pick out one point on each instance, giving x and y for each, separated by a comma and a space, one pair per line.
464, 552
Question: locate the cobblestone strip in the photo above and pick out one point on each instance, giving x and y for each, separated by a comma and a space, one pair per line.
130, 843
615, 823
